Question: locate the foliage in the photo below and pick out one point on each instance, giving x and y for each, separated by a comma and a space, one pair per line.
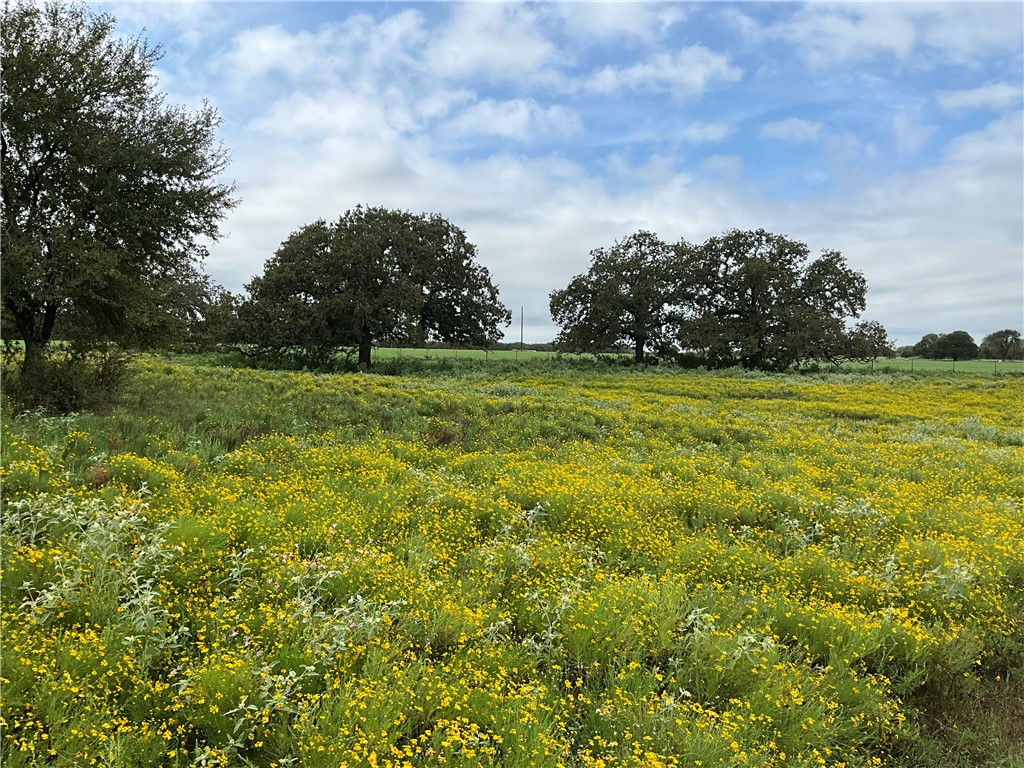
957, 345
927, 346
108, 193
553, 567
624, 299
76, 378
866, 341
375, 275
750, 297
215, 323
753, 296
1006, 344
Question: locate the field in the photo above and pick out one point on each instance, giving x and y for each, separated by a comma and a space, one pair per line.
517, 565
909, 365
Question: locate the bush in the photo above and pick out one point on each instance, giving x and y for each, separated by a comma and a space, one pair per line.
68, 380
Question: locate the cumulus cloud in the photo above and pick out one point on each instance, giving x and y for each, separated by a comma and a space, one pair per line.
498, 41
359, 46
997, 96
644, 22
699, 133
519, 119
793, 129
827, 34
830, 34
685, 72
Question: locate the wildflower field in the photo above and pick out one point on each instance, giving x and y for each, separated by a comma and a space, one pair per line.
525, 566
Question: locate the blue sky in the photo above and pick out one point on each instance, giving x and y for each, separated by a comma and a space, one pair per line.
891, 132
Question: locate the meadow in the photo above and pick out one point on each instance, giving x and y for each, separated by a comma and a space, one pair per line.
882, 364
531, 564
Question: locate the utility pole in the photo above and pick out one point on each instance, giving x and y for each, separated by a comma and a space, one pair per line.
520, 327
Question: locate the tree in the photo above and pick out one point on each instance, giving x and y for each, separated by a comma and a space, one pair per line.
752, 295
926, 347
374, 275
215, 321
958, 345
1006, 344
624, 299
868, 340
107, 191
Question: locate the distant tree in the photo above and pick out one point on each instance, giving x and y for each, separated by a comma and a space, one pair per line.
215, 322
957, 345
1006, 344
905, 351
928, 345
868, 340
753, 296
624, 299
108, 192
374, 275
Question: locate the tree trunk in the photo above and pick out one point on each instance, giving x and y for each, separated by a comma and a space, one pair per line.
365, 343
31, 364
36, 330
638, 352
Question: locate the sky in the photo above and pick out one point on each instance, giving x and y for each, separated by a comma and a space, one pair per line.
893, 133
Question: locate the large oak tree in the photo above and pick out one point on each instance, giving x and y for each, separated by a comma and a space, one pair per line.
759, 298
1006, 344
625, 299
375, 275
108, 192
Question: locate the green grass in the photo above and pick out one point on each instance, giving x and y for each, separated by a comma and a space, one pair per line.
945, 366
385, 353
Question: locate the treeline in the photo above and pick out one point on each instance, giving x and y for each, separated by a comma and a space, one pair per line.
1006, 344
749, 298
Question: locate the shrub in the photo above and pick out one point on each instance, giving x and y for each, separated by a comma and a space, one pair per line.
69, 380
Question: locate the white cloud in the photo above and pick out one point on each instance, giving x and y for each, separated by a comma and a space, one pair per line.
996, 96
942, 244
334, 52
498, 41
829, 34
645, 22
305, 117
520, 119
826, 34
686, 72
261, 50
698, 133
191, 20
967, 31
793, 129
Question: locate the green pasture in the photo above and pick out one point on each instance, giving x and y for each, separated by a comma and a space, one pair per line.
894, 363
916, 364
388, 353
